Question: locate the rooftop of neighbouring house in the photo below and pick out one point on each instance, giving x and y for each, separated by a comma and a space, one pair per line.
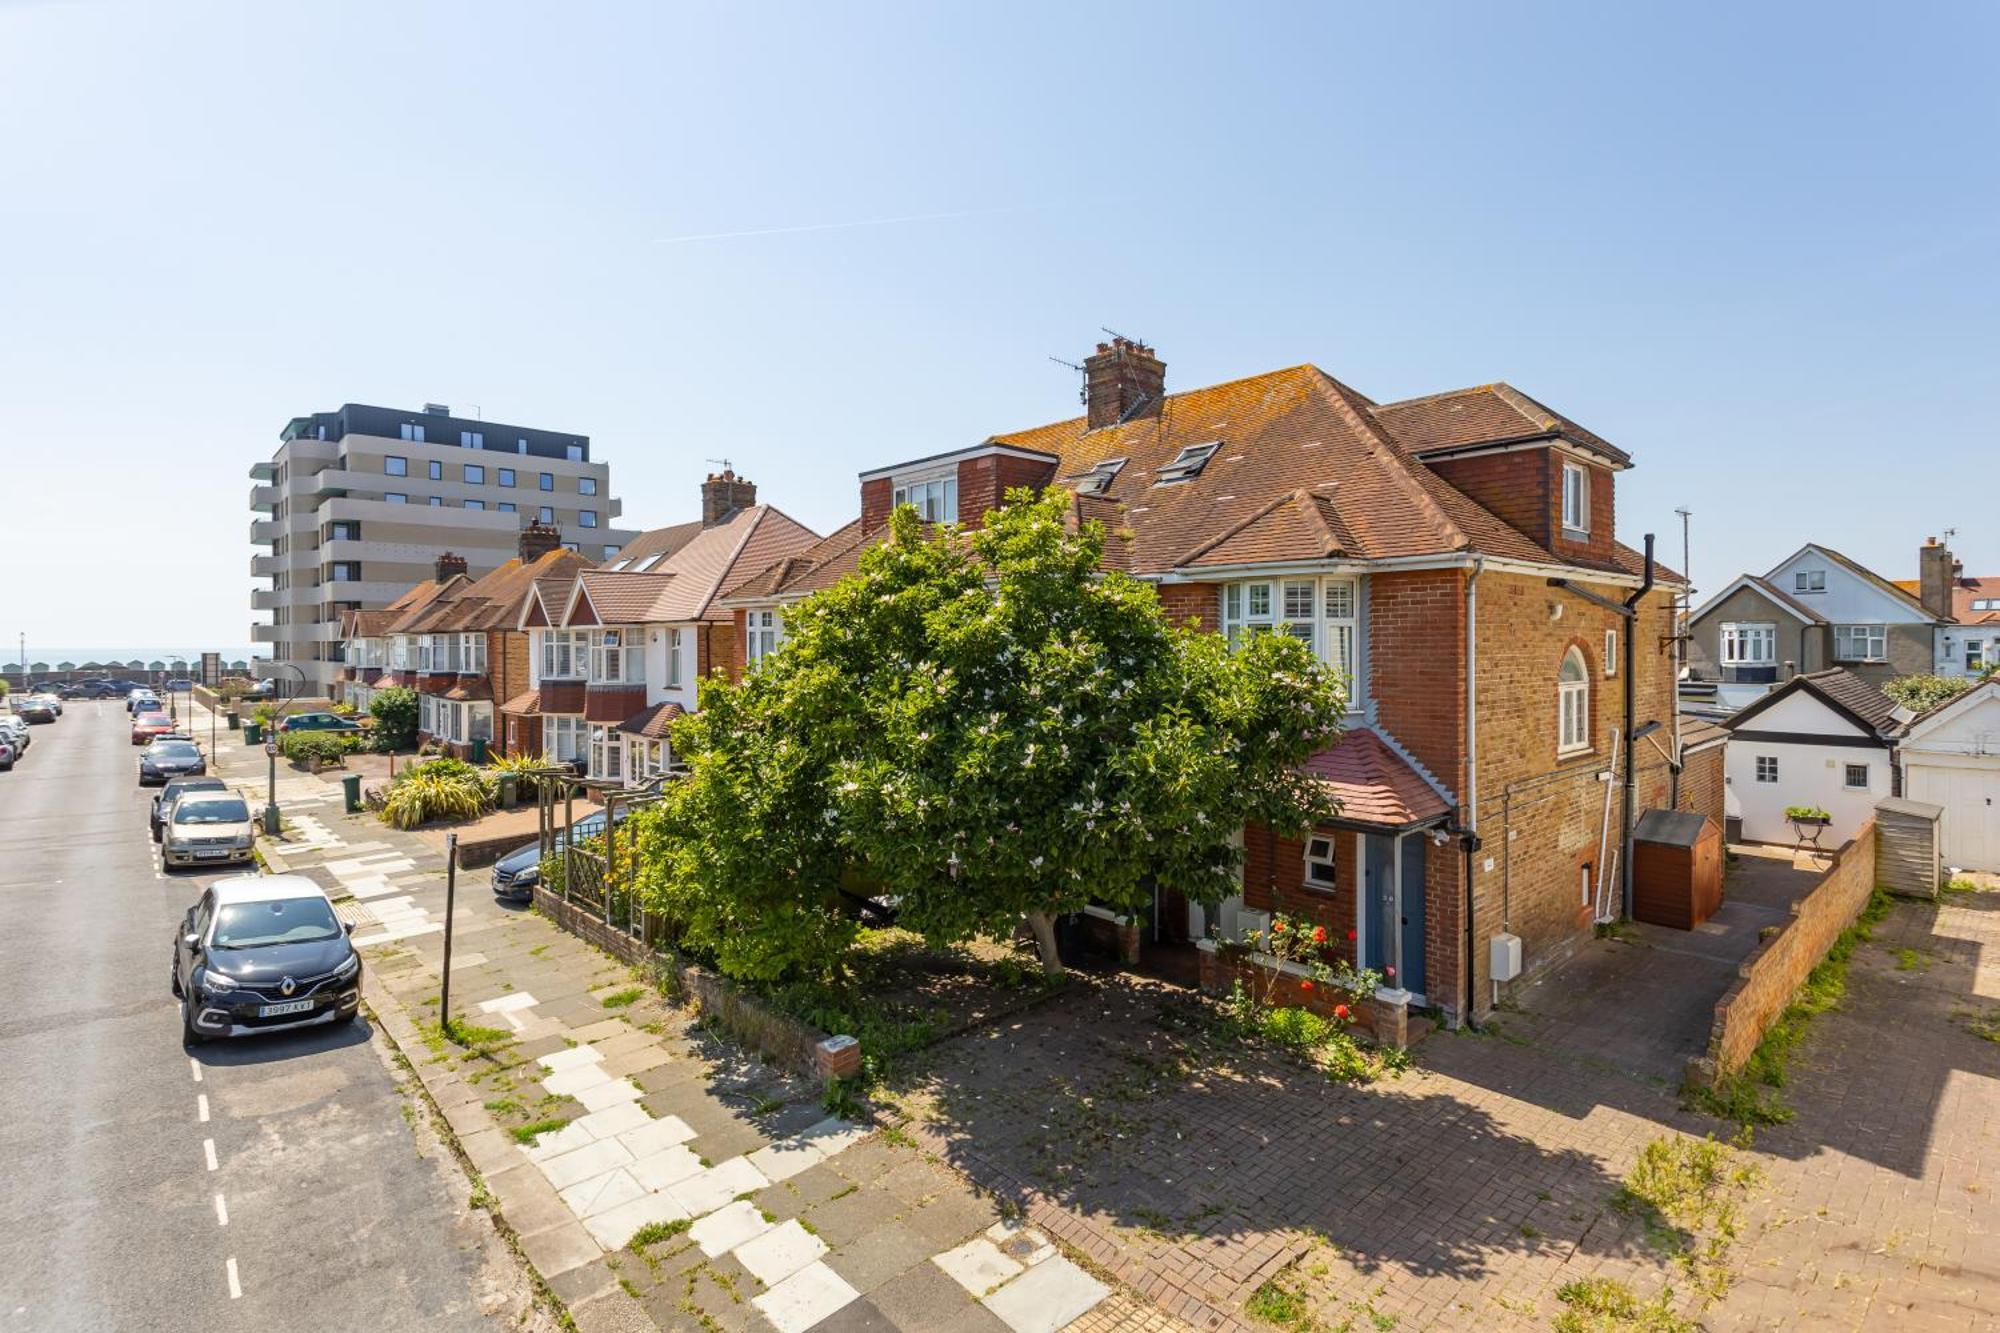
1975, 600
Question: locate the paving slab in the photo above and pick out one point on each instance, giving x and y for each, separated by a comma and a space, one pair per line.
1046, 1297
718, 1185
978, 1265
728, 1227
669, 1166
780, 1252
805, 1298
605, 1095
613, 1228
592, 1159
649, 1136
600, 1194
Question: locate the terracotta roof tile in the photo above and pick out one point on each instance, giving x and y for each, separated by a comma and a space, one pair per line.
1966, 590
1373, 783
653, 723
1485, 414
527, 703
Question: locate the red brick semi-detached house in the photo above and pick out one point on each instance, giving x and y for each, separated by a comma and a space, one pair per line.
1454, 555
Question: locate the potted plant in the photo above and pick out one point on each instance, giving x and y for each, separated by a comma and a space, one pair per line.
1807, 821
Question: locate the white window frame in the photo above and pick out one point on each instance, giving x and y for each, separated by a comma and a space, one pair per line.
1847, 772
615, 659
1611, 652
565, 654
1330, 625
1766, 768
763, 634
1975, 654
1573, 705
934, 496
565, 738
1742, 640
472, 654
607, 753
1874, 640
1321, 862
1576, 497
1809, 580
1188, 463
673, 657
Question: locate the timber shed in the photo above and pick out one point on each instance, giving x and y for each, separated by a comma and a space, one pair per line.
1909, 847
1676, 868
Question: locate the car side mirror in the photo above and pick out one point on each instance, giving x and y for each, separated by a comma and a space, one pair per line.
348, 926
192, 940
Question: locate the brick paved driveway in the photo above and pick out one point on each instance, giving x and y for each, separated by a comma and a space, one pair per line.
1465, 1193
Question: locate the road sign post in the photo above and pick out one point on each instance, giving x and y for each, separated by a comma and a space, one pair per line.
450, 901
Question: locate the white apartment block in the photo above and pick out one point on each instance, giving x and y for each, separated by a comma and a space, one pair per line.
357, 505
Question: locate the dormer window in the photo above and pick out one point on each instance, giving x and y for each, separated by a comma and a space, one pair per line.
1187, 464
934, 498
1576, 498
1809, 580
1098, 479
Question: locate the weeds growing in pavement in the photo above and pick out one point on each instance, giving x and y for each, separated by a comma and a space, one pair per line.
1606, 1305
619, 999
653, 1233
528, 1133
1685, 1192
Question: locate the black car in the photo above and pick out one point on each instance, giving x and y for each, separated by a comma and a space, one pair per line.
168, 758
516, 874
263, 953
163, 803
35, 708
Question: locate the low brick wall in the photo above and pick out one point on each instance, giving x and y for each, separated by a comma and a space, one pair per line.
1769, 978
1221, 968
787, 1042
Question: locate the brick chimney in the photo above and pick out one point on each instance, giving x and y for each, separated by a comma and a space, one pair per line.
448, 565
1936, 574
537, 540
722, 494
1122, 380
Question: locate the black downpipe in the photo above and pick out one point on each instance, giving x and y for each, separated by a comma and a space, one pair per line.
1469, 844
1631, 706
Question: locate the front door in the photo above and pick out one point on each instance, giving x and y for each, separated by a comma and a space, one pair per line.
1387, 913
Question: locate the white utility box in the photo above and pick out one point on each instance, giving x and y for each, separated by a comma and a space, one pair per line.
1504, 957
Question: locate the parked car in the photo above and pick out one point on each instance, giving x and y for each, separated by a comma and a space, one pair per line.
318, 722
149, 727
178, 685
516, 874
135, 700
163, 800
263, 953
35, 708
170, 757
6, 752
206, 829
95, 689
17, 731
50, 697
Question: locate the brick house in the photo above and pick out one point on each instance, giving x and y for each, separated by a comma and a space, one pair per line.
1453, 555
616, 652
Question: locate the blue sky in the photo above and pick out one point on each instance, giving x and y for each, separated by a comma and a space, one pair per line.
1754, 246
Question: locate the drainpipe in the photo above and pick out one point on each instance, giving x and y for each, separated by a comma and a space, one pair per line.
1469, 811
1631, 703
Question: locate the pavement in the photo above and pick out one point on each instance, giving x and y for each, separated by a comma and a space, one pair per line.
275, 1182
655, 1175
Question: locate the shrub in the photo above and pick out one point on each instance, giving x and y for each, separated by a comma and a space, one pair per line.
441, 789
395, 714
1918, 693
326, 746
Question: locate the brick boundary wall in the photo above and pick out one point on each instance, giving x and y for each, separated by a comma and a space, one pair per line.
1221, 968
787, 1042
1769, 978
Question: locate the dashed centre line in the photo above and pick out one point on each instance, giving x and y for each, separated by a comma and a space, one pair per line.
208, 1151
235, 1287
195, 1066
201, 1106
221, 1211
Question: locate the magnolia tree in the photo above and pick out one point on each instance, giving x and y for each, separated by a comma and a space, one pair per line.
990, 729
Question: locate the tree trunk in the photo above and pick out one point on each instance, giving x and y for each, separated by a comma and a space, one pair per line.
1044, 931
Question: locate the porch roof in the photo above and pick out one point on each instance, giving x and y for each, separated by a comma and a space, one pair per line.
1376, 787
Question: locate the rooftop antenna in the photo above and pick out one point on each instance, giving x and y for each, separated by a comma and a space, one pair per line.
1083, 389
1949, 533
723, 463
1127, 337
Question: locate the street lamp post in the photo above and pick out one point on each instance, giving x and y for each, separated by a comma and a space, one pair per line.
271, 816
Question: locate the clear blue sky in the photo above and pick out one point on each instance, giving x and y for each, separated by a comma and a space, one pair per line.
1753, 245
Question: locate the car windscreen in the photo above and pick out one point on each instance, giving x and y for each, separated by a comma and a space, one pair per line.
212, 812
173, 750
281, 921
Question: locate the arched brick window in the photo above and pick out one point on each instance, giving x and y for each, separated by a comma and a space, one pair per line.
1573, 704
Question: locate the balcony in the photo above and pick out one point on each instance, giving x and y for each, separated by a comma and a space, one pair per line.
263, 471
261, 633
264, 566
264, 531
263, 497
340, 480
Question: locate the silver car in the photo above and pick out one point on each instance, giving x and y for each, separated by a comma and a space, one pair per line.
207, 828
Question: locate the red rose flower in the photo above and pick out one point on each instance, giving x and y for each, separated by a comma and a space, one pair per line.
1340, 1011
1277, 926
1388, 971
1350, 934
1319, 934
1305, 985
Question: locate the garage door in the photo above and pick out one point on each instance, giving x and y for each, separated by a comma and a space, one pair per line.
1971, 801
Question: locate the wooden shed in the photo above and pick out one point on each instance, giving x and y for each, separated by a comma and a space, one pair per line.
1909, 847
1676, 868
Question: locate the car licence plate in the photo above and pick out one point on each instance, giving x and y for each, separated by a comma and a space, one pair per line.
212, 851
289, 1007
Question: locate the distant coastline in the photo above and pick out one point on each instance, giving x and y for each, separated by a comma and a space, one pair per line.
52, 658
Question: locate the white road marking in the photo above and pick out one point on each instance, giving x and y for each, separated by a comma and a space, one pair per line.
235, 1287
208, 1151
221, 1211
201, 1106
195, 1065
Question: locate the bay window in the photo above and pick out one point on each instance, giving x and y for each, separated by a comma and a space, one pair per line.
1321, 612
1749, 645
1860, 643
563, 738
607, 754
613, 660
565, 654
649, 758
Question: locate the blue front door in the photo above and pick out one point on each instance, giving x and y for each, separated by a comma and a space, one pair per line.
1385, 912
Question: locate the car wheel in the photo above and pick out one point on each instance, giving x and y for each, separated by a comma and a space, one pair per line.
189, 1037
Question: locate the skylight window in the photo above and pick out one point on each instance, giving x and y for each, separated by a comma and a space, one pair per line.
1098, 479
650, 563
1187, 465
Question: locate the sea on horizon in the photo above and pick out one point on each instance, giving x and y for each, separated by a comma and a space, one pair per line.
51, 659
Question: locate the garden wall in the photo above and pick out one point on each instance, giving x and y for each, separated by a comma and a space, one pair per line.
1769, 978
1222, 967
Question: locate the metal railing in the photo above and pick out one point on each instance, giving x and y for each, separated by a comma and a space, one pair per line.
602, 882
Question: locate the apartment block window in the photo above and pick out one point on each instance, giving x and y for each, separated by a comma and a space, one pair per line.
586, 485
472, 439
507, 507
565, 654
475, 504
396, 498
347, 571
1573, 704
1860, 643
475, 475
413, 432
586, 518
935, 498
344, 531
1320, 612
437, 502
573, 452
548, 482
610, 551
1319, 861
507, 476
437, 470
1749, 645
1809, 580
1611, 652
1576, 497
546, 514
563, 739
396, 467
763, 632
1857, 777
1767, 768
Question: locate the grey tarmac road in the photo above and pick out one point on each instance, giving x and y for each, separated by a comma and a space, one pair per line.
340, 1212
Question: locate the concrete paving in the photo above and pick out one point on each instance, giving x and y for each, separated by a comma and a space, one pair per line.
271, 1182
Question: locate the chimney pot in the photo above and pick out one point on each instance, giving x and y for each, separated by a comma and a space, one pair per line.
1122, 380
723, 494
537, 540
448, 565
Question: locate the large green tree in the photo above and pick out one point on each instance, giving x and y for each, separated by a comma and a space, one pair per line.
989, 727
